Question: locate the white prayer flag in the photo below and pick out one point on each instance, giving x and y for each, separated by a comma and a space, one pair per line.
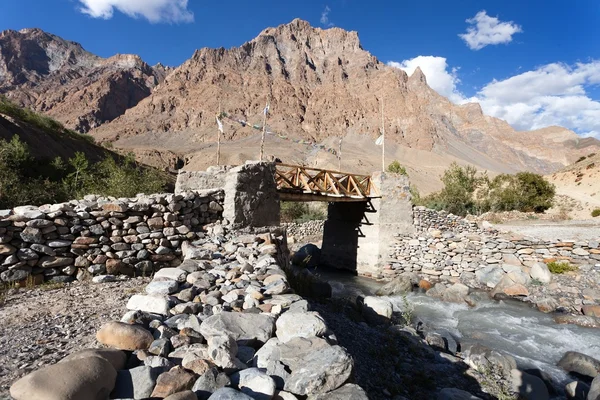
220, 124
379, 141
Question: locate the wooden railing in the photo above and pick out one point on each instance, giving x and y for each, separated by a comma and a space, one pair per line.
298, 180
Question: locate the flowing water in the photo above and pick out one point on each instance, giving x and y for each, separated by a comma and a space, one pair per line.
530, 336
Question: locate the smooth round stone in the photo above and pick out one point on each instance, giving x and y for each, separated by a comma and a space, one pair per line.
120, 335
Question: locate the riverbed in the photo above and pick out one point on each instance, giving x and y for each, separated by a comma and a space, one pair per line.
530, 336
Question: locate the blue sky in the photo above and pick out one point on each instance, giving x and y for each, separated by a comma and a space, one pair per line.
534, 63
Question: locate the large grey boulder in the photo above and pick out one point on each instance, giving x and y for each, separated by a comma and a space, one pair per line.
349, 391
404, 283
254, 383
308, 256
245, 328
580, 364
373, 305
209, 382
528, 386
162, 287
229, 394
490, 275
483, 358
79, 379
300, 324
175, 274
594, 393
321, 372
136, 383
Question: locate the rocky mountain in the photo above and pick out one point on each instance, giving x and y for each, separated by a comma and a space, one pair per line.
321, 84
59, 78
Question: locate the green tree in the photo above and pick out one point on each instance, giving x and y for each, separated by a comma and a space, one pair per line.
396, 168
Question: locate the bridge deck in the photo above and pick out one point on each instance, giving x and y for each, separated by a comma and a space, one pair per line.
297, 183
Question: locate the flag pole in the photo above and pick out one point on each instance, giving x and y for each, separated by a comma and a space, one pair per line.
383, 139
219, 135
340, 155
264, 130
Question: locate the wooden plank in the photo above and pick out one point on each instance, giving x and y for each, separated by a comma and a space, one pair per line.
305, 197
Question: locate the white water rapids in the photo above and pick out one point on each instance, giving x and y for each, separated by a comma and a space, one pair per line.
530, 336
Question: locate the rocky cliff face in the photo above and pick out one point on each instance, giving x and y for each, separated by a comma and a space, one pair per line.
58, 77
320, 83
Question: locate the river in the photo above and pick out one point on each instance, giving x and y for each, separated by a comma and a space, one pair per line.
530, 336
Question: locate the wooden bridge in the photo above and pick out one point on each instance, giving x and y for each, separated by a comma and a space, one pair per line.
297, 183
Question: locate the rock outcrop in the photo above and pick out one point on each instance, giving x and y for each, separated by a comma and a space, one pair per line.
59, 78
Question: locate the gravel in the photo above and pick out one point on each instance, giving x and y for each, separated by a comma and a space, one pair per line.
43, 325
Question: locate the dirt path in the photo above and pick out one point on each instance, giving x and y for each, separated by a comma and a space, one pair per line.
554, 230
41, 326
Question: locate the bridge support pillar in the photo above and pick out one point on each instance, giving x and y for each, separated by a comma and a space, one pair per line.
359, 236
251, 198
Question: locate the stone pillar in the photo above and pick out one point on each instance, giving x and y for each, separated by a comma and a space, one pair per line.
360, 236
251, 198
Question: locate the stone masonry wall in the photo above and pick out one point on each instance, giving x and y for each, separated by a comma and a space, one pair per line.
97, 236
304, 229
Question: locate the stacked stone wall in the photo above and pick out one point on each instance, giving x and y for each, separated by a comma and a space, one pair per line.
100, 236
304, 229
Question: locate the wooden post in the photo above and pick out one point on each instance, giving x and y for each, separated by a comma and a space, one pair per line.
382, 139
219, 136
264, 131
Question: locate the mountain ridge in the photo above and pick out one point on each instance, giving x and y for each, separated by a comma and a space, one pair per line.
321, 84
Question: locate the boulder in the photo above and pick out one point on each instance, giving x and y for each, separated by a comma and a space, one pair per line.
173, 381
509, 287
308, 256
124, 336
300, 324
580, 364
592, 310
254, 383
455, 394
210, 382
528, 386
349, 391
245, 328
136, 383
578, 391
229, 394
402, 284
594, 393
490, 275
80, 379
483, 358
116, 358
185, 395
222, 350
162, 287
321, 372
540, 272
175, 274
456, 293
151, 304
283, 395
377, 306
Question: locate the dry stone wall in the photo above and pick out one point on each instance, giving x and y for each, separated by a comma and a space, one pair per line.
102, 236
304, 229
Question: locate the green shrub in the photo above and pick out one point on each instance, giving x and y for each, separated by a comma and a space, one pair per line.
396, 168
466, 192
580, 159
299, 212
25, 180
596, 212
560, 267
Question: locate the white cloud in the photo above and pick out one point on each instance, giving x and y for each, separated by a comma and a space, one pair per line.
439, 78
553, 94
325, 16
488, 30
154, 11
